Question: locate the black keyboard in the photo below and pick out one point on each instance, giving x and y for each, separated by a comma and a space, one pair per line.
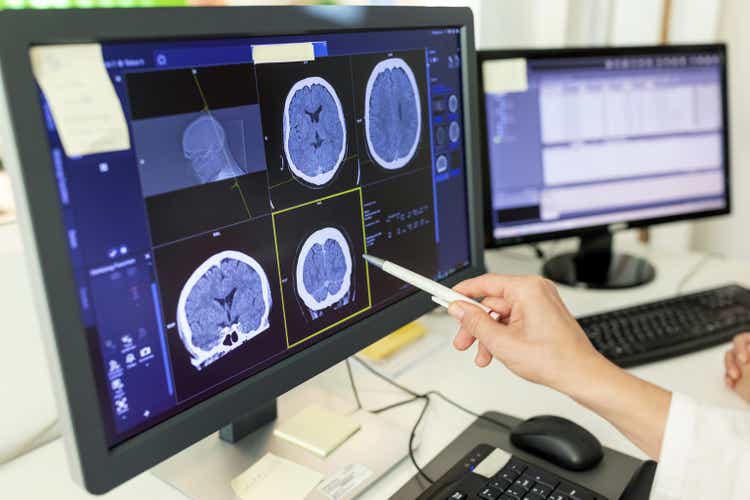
489, 473
667, 328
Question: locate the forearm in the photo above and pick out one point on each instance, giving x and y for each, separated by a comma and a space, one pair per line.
635, 407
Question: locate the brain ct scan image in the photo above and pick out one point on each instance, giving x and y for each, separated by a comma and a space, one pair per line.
392, 113
225, 303
204, 144
324, 269
314, 131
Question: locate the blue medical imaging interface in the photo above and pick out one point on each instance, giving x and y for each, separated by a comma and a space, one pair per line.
230, 235
584, 141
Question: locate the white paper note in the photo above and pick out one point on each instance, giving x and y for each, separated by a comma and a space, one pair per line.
501, 76
275, 477
345, 482
81, 97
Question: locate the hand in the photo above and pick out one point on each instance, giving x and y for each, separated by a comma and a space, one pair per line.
736, 361
538, 339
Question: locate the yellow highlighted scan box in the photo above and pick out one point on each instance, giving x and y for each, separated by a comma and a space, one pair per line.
355, 255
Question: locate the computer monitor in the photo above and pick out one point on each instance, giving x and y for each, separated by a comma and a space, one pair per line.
197, 186
585, 141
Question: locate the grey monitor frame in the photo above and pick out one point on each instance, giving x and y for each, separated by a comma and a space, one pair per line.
97, 466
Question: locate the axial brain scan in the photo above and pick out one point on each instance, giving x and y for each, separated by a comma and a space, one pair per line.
324, 269
225, 303
392, 113
204, 144
314, 131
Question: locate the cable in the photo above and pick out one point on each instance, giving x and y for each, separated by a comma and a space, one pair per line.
354, 386
415, 396
697, 267
538, 251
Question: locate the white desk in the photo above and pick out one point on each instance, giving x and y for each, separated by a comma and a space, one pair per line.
43, 473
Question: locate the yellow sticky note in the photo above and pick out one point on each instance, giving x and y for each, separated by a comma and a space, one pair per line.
283, 52
501, 76
394, 342
81, 98
275, 477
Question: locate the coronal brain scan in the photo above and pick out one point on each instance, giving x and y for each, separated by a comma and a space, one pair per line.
204, 144
314, 131
324, 269
225, 303
392, 113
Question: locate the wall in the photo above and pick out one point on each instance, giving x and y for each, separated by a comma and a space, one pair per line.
728, 235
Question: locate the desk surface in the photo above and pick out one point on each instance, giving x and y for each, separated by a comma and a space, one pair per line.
43, 472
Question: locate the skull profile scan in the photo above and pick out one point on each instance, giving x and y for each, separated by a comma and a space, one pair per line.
224, 303
392, 113
324, 269
204, 144
314, 131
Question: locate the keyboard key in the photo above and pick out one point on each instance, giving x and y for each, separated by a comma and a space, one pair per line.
489, 493
516, 466
500, 483
557, 496
507, 497
515, 491
542, 490
525, 482
543, 477
508, 475
533, 496
457, 495
574, 492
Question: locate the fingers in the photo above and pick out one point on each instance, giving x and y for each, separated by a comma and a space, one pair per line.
463, 340
742, 348
731, 367
478, 324
492, 285
483, 357
499, 305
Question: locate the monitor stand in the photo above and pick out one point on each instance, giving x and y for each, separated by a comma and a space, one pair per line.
596, 265
205, 469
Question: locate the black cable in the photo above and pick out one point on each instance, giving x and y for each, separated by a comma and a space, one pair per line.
538, 251
354, 386
420, 471
414, 397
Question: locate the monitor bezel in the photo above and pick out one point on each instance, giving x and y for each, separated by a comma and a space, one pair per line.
97, 466
483, 55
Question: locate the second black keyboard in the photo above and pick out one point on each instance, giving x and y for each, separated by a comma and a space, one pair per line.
666, 328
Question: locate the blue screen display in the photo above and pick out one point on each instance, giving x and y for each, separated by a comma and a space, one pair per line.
229, 236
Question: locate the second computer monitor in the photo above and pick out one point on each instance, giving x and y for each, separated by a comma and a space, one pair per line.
577, 140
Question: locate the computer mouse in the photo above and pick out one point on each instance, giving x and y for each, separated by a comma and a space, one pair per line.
558, 440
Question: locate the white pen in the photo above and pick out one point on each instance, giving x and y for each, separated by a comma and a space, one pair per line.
441, 294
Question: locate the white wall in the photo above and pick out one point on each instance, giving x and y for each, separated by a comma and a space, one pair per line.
729, 234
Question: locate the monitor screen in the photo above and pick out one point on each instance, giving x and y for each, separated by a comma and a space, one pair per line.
579, 141
229, 236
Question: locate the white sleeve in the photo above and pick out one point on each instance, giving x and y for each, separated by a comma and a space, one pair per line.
705, 453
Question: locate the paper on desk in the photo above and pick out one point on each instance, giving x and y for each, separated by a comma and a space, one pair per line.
275, 477
87, 113
500, 76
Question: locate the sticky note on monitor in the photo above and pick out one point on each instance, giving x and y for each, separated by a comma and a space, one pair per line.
275, 477
87, 113
283, 53
501, 76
